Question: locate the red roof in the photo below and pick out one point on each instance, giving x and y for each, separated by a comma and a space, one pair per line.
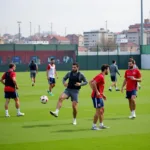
60, 38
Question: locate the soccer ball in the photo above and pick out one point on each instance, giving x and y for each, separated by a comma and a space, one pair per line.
44, 99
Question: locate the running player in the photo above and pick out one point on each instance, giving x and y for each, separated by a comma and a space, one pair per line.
51, 73
9, 80
132, 76
76, 80
33, 71
113, 74
97, 85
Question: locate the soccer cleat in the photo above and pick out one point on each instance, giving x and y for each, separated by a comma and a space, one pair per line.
74, 122
104, 127
110, 90
132, 116
53, 114
20, 114
117, 89
95, 128
7, 115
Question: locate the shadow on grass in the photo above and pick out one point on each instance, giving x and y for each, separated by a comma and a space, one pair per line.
71, 130
42, 125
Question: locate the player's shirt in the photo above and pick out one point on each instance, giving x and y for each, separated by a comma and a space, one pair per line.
100, 85
131, 84
51, 70
12, 75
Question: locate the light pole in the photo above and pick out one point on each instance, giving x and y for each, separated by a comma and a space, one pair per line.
30, 29
19, 29
141, 42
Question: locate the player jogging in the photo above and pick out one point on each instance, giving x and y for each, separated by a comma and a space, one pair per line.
113, 75
33, 71
9, 80
76, 80
132, 76
51, 73
97, 85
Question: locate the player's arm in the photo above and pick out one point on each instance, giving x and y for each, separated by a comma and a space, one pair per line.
138, 77
56, 73
48, 68
2, 80
83, 81
117, 70
14, 80
65, 78
94, 85
91, 85
36, 68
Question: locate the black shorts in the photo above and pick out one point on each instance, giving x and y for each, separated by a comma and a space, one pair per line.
129, 94
32, 74
11, 95
113, 78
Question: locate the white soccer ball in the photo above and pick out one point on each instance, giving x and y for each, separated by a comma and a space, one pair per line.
44, 99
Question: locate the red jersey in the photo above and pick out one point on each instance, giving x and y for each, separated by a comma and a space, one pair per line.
9, 88
131, 84
100, 85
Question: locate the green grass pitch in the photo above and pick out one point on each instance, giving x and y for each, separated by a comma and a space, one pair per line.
40, 131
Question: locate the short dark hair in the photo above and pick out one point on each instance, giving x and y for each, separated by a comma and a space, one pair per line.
52, 59
75, 64
133, 61
32, 61
104, 67
113, 61
11, 65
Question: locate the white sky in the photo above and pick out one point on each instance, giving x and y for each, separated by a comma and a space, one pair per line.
76, 15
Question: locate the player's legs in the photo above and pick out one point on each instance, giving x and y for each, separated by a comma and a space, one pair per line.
6, 107
75, 111
131, 95
114, 83
62, 97
51, 86
17, 104
74, 98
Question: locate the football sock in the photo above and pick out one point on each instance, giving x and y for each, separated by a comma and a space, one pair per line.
6, 111
18, 110
101, 124
57, 111
94, 125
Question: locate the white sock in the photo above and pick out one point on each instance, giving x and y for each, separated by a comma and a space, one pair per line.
110, 87
6, 111
57, 111
133, 112
101, 124
18, 110
116, 88
94, 125
74, 119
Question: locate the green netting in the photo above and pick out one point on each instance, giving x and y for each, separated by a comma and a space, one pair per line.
40, 47
22, 47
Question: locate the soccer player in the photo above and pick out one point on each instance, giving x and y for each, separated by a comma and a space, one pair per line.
33, 71
51, 73
113, 75
132, 76
76, 80
97, 85
9, 80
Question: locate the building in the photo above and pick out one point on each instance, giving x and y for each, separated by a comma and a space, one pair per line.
1, 40
76, 39
59, 40
133, 36
98, 37
121, 38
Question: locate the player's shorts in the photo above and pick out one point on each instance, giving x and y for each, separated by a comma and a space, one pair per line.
113, 78
51, 81
73, 94
129, 94
10, 95
98, 102
32, 74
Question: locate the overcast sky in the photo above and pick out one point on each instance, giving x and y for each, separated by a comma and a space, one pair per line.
77, 15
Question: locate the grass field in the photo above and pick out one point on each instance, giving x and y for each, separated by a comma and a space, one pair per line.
38, 130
